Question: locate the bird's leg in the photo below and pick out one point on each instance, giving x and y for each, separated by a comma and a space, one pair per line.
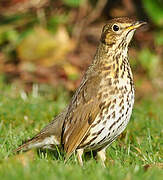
79, 156
102, 155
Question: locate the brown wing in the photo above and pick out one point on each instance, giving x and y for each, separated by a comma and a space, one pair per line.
81, 113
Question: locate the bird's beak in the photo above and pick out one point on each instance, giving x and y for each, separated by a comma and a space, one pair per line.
136, 25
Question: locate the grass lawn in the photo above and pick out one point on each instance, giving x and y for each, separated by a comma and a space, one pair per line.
137, 154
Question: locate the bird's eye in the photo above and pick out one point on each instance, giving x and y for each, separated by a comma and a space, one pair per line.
115, 27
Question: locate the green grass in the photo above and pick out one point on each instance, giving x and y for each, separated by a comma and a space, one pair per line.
22, 116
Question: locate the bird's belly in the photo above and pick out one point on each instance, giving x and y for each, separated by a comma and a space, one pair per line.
109, 123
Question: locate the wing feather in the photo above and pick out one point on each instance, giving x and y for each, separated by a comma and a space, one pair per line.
81, 114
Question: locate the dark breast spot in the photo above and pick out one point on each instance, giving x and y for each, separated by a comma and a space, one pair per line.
106, 67
118, 119
102, 104
108, 105
116, 81
109, 81
108, 117
122, 102
112, 107
92, 139
122, 75
127, 111
99, 132
93, 125
120, 125
104, 123
112, 125
106, 95
102, 140
114, 101
113, 115
89, 120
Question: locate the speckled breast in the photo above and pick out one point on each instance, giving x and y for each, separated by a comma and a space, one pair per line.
116, 105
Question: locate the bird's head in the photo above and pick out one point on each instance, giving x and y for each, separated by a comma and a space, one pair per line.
119, 31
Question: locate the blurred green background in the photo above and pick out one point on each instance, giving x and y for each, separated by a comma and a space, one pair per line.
53, 41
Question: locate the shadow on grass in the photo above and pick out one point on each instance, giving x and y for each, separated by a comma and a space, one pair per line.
59, 154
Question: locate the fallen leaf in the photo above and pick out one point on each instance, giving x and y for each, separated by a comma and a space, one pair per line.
71, 71
43, 48
23, 158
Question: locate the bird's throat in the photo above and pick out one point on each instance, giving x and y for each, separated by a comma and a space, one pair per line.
114, 60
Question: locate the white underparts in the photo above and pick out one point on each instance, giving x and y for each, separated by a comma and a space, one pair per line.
47, 142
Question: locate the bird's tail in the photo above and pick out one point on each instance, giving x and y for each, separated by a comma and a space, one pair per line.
27, 145
38, 142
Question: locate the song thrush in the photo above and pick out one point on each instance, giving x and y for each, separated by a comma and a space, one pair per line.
102, 105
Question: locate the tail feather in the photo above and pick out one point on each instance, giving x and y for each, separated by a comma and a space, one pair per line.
38, 141
27, 145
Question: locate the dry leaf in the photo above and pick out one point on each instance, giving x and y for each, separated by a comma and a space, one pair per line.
23, 158
43, 48
71, 71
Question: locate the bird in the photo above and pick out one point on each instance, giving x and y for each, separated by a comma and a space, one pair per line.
101, 107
